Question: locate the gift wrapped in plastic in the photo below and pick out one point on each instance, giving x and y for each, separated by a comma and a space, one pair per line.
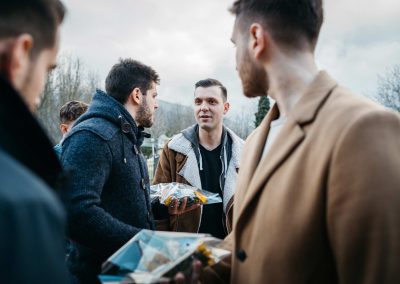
166, 193
155, 256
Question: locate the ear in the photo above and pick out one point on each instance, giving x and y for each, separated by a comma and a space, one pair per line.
63, 128
136, 96
258, 40
226, 107
20, 59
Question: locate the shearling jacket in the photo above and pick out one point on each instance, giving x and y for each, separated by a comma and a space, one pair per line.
180, 161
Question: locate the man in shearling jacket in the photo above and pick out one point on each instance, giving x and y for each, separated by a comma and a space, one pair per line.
205, 155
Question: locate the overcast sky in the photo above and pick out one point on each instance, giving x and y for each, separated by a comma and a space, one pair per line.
189, 40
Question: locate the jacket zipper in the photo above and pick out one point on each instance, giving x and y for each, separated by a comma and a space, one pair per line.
201, 215
222, 190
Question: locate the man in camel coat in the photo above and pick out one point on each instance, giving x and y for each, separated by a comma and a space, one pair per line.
318, 192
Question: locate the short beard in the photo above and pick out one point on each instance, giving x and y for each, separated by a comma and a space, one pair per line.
144, 115
254, 78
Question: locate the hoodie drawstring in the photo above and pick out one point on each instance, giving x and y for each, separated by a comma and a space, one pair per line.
123, 128
225, 162
200, 160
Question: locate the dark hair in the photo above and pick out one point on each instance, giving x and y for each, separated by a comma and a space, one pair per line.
210, 83
127, 75
72, 110
39, 18
290, 22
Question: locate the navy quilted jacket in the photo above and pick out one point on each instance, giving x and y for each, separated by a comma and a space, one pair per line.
108, 197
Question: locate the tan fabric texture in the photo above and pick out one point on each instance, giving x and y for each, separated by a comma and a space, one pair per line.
323, 206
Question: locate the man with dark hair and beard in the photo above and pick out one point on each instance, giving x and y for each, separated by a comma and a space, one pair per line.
108, 198
318, 191
32, 220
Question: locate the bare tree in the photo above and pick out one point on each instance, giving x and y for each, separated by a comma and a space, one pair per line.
241, 123
389, 88
171, 119
68, 82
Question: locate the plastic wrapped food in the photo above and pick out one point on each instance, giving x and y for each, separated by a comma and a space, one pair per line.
166, 193
153, 256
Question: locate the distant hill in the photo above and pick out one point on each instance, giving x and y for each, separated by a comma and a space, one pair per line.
168, 106
171, 118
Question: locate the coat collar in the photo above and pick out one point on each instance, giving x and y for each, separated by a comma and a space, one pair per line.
24, 139
314, 97
105, 107
183, 142
255, 172
190, 171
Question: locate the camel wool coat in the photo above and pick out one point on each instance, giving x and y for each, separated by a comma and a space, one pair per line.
323, 205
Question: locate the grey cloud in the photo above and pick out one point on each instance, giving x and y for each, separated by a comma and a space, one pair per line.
189, 40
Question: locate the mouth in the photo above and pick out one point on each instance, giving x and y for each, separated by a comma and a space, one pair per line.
205, 116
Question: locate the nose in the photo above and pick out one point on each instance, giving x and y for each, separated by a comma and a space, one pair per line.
203, 107
156, 105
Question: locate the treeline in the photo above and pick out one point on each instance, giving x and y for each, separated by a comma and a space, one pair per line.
388, 92
71, 80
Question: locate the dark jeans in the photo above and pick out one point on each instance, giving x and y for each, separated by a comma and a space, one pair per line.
82, 271
85, 278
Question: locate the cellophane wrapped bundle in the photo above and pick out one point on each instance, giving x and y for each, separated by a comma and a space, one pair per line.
155, 256
166, 193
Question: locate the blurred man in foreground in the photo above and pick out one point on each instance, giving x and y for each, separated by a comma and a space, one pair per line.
31, 218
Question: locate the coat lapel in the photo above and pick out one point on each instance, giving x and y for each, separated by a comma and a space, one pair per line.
286, 142
190, 170
256, 172
251, 156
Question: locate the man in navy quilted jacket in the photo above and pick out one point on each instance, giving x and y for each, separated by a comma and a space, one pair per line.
108, 198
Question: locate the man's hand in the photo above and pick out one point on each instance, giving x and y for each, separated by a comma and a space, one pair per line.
193, 278
175, 209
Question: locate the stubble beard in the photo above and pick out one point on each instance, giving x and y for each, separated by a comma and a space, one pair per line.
144, 115
254, 78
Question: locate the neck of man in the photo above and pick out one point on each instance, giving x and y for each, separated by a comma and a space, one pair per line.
289, 76
210, 139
